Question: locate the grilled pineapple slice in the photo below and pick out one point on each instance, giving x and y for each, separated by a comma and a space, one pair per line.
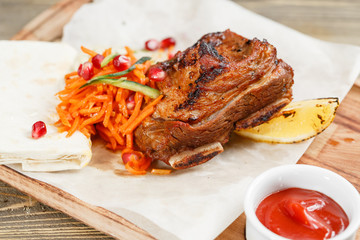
297, 122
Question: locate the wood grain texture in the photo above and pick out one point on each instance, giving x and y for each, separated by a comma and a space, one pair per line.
330, 20
23, 217
58, 15
56, 198
338, 148
16, 13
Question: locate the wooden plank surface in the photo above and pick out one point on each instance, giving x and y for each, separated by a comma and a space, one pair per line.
14, 14
337, 149
92, 215
49, 24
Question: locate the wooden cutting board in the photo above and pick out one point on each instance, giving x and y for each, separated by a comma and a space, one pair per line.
337, 149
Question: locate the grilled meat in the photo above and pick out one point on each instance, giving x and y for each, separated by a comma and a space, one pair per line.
224, 81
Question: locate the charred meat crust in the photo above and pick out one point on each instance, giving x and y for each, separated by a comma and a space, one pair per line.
212, 66
222, 81
195, 159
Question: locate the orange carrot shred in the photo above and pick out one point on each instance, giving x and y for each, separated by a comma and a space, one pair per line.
158, 171
88, 51
96, 118
107, 52
73, 127
118, 95
153, 103
134, 114
132, 170
63, 117
115, 133
85, 132
138, 120
129, 140
89, 111
130, 53
107, 114
71, 74
62, 129
102, 108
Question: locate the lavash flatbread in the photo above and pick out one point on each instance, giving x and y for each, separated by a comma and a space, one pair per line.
31, 73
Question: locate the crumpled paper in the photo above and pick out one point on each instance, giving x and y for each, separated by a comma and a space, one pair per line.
197, 203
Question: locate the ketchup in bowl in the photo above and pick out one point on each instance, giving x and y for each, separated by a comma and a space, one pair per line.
298, 213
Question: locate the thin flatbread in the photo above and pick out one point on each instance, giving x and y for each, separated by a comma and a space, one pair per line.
31, 73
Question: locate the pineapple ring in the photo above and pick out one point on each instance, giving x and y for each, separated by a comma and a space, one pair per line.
297, 122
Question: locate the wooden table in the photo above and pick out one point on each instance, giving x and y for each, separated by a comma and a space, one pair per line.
23, 217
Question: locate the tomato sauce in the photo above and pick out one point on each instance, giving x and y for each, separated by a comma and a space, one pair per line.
297, 213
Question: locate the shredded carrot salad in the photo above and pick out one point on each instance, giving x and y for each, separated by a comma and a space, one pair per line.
102, 108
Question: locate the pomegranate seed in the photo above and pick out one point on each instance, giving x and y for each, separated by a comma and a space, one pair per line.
167, 42
152, 44
126, 157
86, 70
156, 74
79, 70
121, 62
38, 130
96, 61
130, 102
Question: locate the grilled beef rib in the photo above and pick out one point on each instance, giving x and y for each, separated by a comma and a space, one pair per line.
224, 81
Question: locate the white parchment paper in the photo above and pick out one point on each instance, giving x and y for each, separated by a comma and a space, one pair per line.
197, 203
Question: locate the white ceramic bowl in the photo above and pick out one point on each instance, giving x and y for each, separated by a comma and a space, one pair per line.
301, 176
